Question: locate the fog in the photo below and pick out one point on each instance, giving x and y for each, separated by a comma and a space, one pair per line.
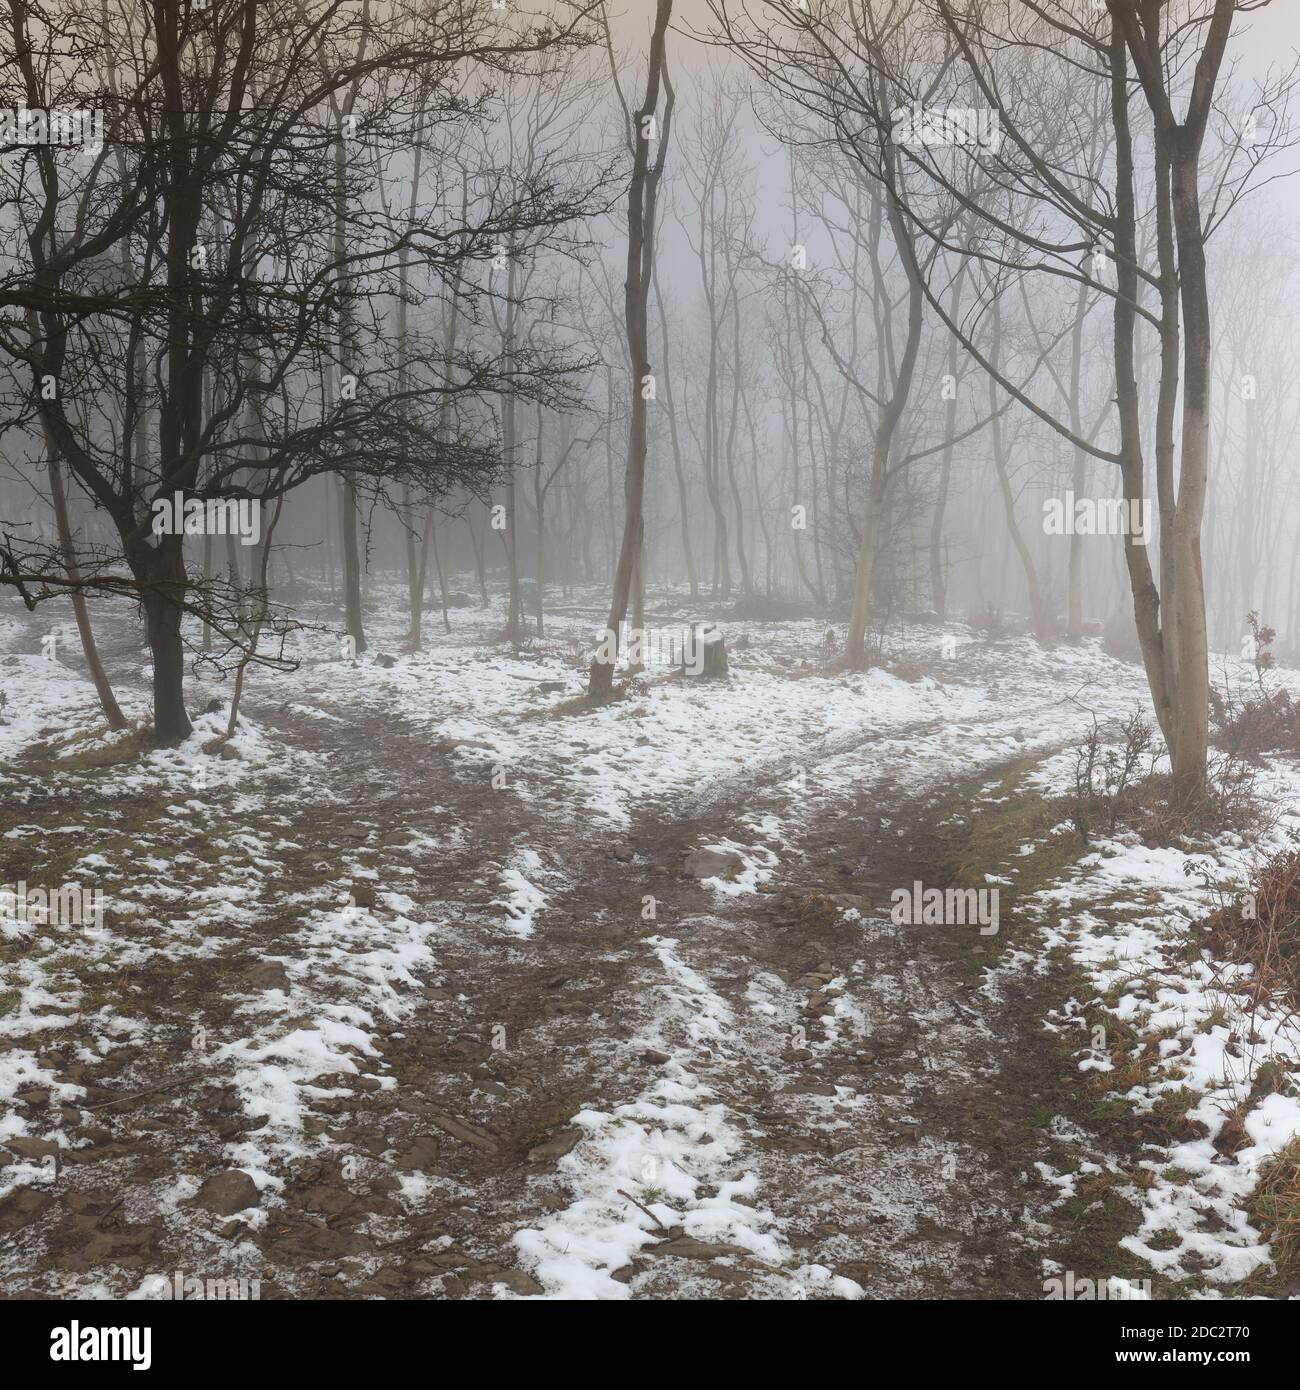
649, 651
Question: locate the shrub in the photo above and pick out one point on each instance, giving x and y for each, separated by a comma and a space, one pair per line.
1262, 929
1267, 719
1103, 776
1118, 786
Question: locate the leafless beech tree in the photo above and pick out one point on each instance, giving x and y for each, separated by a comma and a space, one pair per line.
643, 130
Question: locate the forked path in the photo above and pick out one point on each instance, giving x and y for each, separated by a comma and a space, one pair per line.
469, 1041
651, 1085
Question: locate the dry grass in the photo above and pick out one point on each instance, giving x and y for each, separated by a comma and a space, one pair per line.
1275, 1209
87, 750
1267, 722
1262, 931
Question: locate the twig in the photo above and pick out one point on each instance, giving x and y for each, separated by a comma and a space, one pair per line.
164, 1086
643, 1207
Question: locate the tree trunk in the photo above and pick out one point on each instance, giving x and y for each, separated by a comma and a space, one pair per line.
855, 645
683, 501
1191, 747
261, 612
1038, 614
1185, 647
480, 568
746, 579
163, 577
891, 411
348, 505
207, 578
1142, 585
108, 702
539, 506
640, 266
938, 582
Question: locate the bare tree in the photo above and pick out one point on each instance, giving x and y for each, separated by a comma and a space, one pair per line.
641, 227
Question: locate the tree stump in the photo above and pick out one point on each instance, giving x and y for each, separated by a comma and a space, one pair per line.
707, 656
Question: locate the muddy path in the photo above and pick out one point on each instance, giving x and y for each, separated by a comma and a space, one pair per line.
882, 1102
648, 1085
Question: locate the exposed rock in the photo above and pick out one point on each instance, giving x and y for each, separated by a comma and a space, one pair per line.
24, 1206
119, 1245
268, 974
708, 652
321, 1243
96, 1133
34, 1149
330, 1200
420, 1155
87, 1200
818, 910
556, 1146
228, 1192
467, 1134
516, 1280
714, 863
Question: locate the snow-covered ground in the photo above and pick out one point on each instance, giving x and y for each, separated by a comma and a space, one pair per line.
435, 850
1122, 914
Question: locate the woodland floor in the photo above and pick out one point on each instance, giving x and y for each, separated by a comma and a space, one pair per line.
431, 1019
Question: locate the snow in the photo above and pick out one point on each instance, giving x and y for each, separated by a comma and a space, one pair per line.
1178, 1004
669, 1150
663, 1152
524, 900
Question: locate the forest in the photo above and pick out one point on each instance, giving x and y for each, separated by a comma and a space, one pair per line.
649, 652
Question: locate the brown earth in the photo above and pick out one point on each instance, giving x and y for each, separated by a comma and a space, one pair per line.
898, 1152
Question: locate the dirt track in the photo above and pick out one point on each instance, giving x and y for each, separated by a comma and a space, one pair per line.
875, 1110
